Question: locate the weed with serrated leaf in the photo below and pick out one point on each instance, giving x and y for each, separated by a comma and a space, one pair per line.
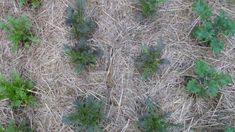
229, 129
18, 31
17, 90
207, 81
210, 30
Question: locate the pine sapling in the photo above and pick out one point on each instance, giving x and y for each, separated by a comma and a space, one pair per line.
87, 116
81, 26
152, 120
148, 61
148, 7
30, 3
16, 127
83, 55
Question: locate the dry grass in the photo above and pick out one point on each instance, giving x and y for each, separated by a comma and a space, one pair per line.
115, 79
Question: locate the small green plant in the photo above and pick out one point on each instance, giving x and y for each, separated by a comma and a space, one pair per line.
152, 120
81, 27
30, 3
83, 56
148, 61
211, 30
88, 115
207, 81
229, 129
18, 31
16, 127
148, 7
16, 90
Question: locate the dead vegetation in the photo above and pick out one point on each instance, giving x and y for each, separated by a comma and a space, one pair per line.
116, 80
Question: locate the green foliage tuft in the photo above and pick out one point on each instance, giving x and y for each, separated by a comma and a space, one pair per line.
202, 9
229, 129
16, 127
31, 3
17, 90
148, 61
18, 31
88, 115
207, 81
152, 121
210, 30
149, 6
81, 27
83, 56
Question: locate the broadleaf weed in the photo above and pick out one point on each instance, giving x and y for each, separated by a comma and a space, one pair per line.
87, 116
229, 129
207, 81
18, 31
210, 30
16, 90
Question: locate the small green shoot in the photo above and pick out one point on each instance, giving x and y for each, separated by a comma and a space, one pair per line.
18, 31
211, 30
31, 3
81, 27
87, 116
207, 81
152, 120
148, 61
229, 129
148, 7
83, 55
16, 127
17, 90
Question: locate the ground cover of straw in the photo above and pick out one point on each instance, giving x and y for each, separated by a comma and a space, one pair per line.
115, 79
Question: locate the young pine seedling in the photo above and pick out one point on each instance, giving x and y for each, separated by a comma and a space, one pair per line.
81, 27
17, 90
148, 7
88, 115
207, 81
148, 61
152, 120
211, 30
31, 3
16, 127
83, 55
18, 31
